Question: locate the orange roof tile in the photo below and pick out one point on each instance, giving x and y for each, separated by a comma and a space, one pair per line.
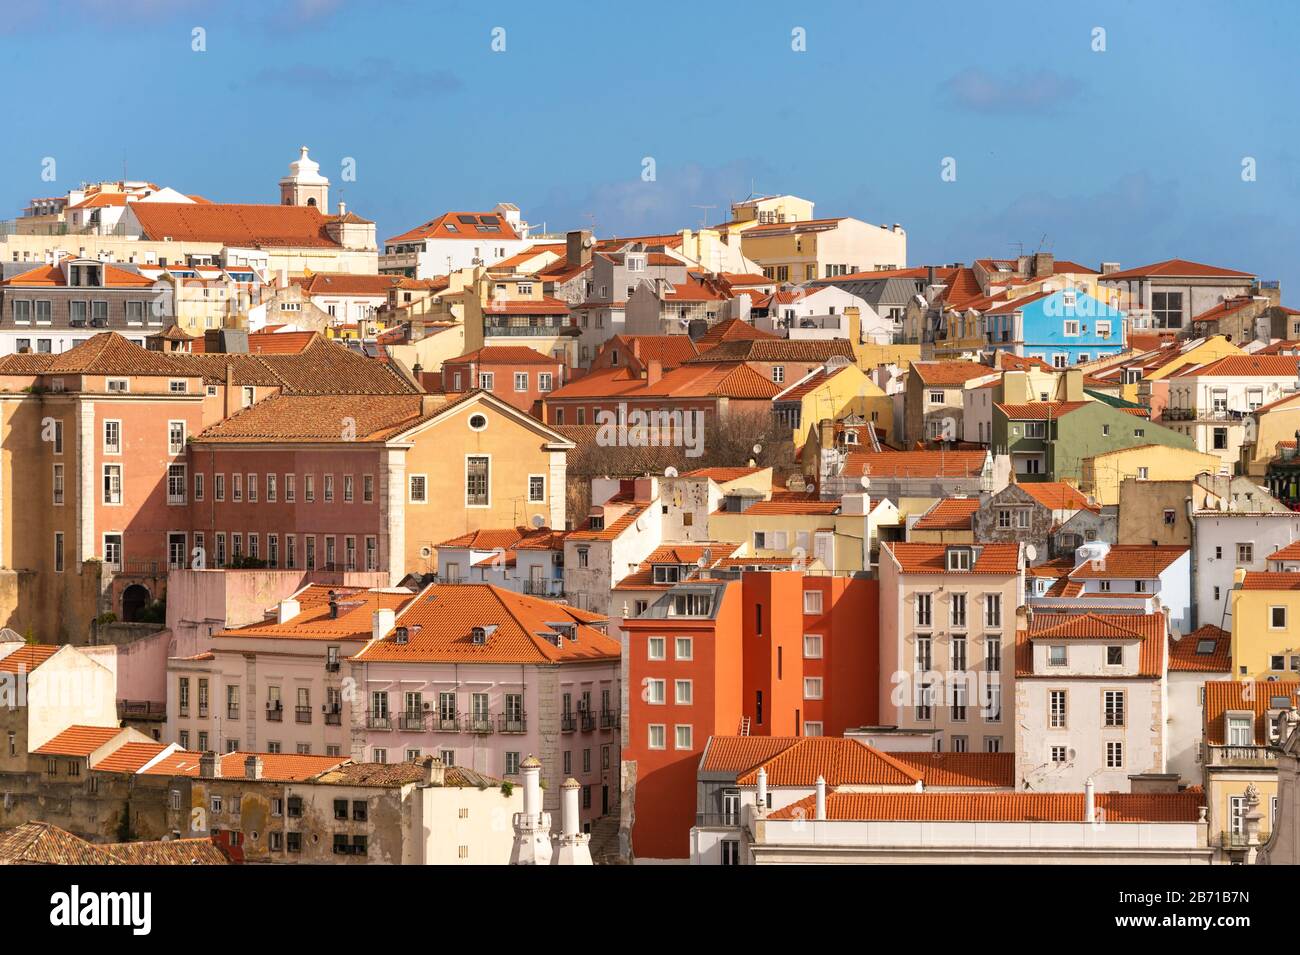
1252, 697
723, 475
1206, 649
945, 770
1270, 580
950, 373
129, 757
276, 767
840, 761
504, 355
1000, 558
735, 754
1039, 410
439, 621
1289, 552
950, 514
78, 741
452, 225
232, 224
1055, 495
1000, 807
28, 658
1138, 561
1244, 366
916, 464
1177, 268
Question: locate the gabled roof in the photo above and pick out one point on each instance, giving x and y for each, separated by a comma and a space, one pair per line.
169, 852
478, 226
39, 843
52, 275
77, 741
776, 349
1176, 268
1290, 552
276, 767
1040, 410
840, 761
1238, 366
346, 283
28, 658
106, 353
732, 329
129, 757
504, 355
961, 770
1056, 495
949, 373
1270, 580
1138, 561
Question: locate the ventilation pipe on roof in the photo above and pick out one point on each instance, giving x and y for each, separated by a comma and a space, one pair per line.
253, 767
820, 811
334, 606
1089, 802
762, 788
209, 765
569, 808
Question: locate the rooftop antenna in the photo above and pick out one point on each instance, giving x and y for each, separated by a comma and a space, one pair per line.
704, 214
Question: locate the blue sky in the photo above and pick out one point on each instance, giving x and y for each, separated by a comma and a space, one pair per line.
1133, 154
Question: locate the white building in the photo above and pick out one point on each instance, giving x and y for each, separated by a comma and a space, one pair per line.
1123, 578
456, 240
1204, 654
1228, 541
1090, 700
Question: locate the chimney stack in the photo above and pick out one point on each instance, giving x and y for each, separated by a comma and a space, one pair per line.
435, 773
334, 606
253, 767
820, 812
1044, 265
381, 622
577, 247
531, 770
569, 807
1089, 802
762, 789
654, 371
209, 765
289, 608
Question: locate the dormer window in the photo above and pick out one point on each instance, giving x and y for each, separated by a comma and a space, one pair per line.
959, 558
667, 573
403, 636
478, 635
598, 522
692, 605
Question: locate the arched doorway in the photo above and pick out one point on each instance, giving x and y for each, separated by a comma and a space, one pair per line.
134, 599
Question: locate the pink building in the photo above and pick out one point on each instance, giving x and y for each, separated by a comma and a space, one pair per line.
483, 678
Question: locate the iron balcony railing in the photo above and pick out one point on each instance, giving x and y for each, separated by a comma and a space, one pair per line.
568, 722
546, 587
274, 712
332, 718
478, 723
512, 723
608, 719
718, 820
588, 720
302, 714
378, 721
412, 720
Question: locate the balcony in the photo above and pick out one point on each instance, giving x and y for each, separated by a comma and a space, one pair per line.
1239, 840
530, 331
1203, 414
1240, 755
608, 719
144, 710
413, 721
377, 721
588, 720
275, 712
302, 714
479, 724
232, 712
446, 724
544, 587
332, 717
332, 666
450, 579
512, 723
568, 722
718, 820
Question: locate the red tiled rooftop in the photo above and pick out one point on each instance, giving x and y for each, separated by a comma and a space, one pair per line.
950, 514
999, 558
1118, 808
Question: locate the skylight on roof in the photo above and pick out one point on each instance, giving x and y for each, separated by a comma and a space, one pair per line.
1279, 702
1205, 646
467, 220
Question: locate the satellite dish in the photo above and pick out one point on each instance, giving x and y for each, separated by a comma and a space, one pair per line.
539, 521
866, 482
1030, 552
758, 449
670, 472
640, 523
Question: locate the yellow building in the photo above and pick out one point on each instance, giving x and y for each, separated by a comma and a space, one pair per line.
1265, 610
1266, 428
1102, 473
795, 525
830, 393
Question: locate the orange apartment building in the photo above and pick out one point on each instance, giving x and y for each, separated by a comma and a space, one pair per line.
769, 653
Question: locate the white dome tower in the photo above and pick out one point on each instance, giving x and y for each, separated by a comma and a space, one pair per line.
305, 186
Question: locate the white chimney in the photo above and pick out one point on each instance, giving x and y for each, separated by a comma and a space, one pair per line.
762, 788
531, 770
533, 825
569, 807
343, 209
381, 622
289, 608
1089, 802
820, 812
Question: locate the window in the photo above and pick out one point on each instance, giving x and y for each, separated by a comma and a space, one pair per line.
176, 484
236, 487
1220, 439
1071, 328
923, 610
1277, 618
1245, 554
1114, 754
812, 646
309, 488
778, 374
544, 380
1058, 754
57, 484
419, 489
993, 654
1167, 309
368, 488
655, 648
198, 486
536, 488
521, 381
112, 437
654, 690
1056, 656
959, 558
992, 610
58, 552
1241, 731
682, 692
175, 437
657, 733
684, 649
329, 488
936, 397
112, 484
1113, 707
271, 488
477, 493
1114, 656
812, 601
957, 611
1056, 709
683, 737
812, 688
289, 490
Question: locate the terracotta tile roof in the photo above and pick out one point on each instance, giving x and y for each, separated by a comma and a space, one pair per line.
963, 289
735, 754
1224, 308
949, 373
733, 329
1056, 495
1270, 580
776, 350
803, 225
453, 225
1039, 410
39, 843
1239, 366
1289, 552
545, 305
723, 475
840, 761
1138, 561
612, 529
950, 770
279, 343
1000, 807
1249, 696
353, 622
170, 852
810, 383
28, 658
504, 355
231, 224
1206, 649
106, 353
1000, 558
670, 351
1151, 629
129, 757
1056, 568
1015, 304
322, 367
317, 418
791, 502
950, 514
52, 275
376, 774
346, 283
440, 619
1176, 268
78, 741
492, 538
916, 464
276, 767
